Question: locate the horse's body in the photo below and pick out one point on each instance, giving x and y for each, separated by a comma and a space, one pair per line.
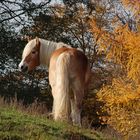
68, 75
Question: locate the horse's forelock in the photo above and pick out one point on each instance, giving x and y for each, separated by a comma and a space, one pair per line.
28, 48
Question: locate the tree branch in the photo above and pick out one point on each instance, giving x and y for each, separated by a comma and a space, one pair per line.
22, 9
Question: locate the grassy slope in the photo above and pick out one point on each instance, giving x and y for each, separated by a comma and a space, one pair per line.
15, 125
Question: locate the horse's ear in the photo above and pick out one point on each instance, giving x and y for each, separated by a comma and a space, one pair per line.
37, 42
28, 38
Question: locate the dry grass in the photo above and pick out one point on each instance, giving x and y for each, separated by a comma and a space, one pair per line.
36, 108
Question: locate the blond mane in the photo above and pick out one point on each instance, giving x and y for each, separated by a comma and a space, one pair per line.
46, 49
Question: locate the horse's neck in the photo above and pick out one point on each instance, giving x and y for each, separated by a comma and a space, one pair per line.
46, 50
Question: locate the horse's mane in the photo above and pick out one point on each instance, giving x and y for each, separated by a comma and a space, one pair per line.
47, 47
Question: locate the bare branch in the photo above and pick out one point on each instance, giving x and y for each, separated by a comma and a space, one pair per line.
22, 9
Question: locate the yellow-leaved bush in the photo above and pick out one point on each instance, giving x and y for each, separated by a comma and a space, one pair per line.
122, 46
122, 103
133, 5
121, 98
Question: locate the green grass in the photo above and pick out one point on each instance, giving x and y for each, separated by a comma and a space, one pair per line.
16, 125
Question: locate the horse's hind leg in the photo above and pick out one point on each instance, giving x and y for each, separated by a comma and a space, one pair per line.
75, 113
76, 106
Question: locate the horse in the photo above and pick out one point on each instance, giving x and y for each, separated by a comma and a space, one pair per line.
69, 74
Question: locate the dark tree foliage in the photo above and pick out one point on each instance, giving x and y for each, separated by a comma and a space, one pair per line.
60, 23
26, 87
17, 10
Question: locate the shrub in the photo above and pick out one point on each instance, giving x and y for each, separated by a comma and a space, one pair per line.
122, 103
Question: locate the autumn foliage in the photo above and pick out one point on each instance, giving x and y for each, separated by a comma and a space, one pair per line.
121, 98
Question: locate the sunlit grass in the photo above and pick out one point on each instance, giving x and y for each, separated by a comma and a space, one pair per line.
18, 125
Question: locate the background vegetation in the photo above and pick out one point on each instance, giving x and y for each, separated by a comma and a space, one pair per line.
108, 32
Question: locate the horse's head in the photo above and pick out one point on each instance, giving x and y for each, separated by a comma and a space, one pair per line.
30, 56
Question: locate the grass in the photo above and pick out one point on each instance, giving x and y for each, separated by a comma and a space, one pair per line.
19, 125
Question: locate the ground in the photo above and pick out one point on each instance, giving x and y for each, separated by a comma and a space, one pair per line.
19, 125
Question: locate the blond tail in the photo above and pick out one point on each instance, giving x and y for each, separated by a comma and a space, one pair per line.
61, 104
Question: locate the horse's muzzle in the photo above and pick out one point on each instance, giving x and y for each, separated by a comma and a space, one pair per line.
23, 67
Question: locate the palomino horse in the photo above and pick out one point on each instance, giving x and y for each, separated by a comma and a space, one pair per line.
68, 75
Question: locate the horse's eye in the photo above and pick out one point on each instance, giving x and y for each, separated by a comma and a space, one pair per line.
33, 52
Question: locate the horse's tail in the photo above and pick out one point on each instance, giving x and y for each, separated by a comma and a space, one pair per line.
61, 106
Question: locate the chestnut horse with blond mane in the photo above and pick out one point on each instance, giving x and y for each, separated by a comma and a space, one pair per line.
69, 74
